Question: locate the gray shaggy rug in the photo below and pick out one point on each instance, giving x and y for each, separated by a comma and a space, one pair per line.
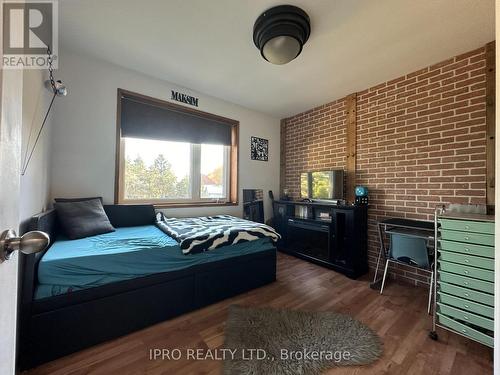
267, 341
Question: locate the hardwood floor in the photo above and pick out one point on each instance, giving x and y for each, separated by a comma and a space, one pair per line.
399, 317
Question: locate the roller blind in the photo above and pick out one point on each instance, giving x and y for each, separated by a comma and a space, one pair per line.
142, 119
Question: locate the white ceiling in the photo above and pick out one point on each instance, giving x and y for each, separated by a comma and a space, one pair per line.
207, 45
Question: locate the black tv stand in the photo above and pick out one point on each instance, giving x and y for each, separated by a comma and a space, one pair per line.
334, 236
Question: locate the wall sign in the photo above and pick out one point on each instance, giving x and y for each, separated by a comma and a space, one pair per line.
259, 149
183, 98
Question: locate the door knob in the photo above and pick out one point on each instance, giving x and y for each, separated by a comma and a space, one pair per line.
28, 243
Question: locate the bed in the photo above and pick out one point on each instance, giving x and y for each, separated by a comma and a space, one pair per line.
83, 292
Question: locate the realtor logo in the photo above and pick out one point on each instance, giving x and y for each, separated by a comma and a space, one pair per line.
29, 32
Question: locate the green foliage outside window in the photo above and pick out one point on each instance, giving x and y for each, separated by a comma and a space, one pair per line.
157, 181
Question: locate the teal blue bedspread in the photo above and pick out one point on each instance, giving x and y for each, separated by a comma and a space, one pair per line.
127, 253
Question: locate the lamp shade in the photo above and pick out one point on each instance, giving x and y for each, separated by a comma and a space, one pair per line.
281, 32
281, 49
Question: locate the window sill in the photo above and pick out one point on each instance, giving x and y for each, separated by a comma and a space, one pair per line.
182, 204
194, 204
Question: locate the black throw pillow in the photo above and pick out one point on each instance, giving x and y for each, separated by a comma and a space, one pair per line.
83, 218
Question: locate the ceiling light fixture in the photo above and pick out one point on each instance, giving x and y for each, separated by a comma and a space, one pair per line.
281, 32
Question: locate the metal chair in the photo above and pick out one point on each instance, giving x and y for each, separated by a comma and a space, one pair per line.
410, 249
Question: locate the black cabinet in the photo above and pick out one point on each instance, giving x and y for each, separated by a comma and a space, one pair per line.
309, 238
329, 235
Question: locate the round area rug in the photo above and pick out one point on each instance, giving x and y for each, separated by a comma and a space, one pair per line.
268, 341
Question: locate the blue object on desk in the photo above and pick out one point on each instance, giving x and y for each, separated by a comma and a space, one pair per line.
361, 191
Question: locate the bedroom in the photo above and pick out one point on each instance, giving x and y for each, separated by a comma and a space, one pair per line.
225, 183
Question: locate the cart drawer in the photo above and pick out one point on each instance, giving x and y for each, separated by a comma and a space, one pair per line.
467, 260
467, 282
466, 317
468, 294
468, 237
468, 226
476, 273
465, 330
471, 249
466, 305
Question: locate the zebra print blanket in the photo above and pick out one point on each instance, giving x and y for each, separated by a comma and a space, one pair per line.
199, 234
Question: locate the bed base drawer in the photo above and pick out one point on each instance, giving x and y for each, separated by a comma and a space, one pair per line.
60, 332
213, 286
66, 329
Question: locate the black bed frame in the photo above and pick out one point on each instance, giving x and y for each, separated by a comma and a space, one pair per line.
56, 326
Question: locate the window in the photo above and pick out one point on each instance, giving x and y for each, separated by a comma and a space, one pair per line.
213, 171
163, 158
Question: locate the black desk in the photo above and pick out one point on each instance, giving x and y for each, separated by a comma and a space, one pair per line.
408, 223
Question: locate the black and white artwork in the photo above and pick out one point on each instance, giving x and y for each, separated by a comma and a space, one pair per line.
259, 149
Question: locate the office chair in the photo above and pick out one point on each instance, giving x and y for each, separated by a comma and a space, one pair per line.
411, 251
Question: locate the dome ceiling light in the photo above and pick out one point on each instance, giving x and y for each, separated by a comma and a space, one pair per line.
281, 32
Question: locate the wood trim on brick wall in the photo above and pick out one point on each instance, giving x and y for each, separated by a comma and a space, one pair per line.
490, 126
350, 149
282, 157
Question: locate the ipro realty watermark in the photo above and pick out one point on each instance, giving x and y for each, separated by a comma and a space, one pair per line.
248, 354
30, 32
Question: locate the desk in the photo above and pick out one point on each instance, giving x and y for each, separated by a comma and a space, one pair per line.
413, 228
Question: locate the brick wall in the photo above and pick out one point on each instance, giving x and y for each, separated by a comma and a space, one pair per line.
421, 141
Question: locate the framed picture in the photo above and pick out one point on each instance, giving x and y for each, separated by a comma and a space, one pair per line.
259, 149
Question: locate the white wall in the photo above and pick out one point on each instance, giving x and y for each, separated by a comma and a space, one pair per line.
496, 361
83, 149
35, 183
